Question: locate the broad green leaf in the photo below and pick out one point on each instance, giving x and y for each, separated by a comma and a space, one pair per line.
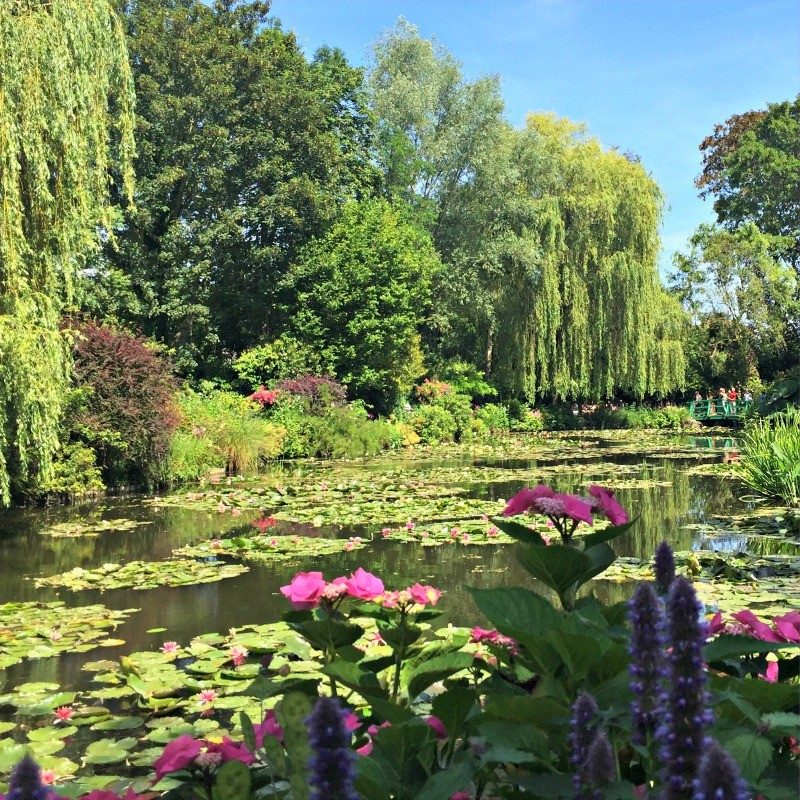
436, 669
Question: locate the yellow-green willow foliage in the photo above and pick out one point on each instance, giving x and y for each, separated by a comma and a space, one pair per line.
66, 131
565, 234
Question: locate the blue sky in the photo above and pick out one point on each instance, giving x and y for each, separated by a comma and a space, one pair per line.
650, 76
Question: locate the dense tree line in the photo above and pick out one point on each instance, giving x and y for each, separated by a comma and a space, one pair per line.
283, 215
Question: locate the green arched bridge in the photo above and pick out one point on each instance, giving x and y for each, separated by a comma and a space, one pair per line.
718, 410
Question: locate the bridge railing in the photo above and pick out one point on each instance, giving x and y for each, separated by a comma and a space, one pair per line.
718, 408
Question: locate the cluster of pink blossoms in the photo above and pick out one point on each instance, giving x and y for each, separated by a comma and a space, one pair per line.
307, 590
561, 508
483, 636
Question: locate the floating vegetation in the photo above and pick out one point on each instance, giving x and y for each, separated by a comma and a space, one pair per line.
42, 630
68, 530
143, 575
272, 548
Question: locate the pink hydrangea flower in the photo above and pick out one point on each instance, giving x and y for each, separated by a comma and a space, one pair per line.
389, 599
771, 673
208, 759
424, 595
364, 585
232, 751
177, 755
169, 647
335, 589
609, 505
305, 590
352, 722
576, 508
788, 626
755, 626
63, 714
268, 727
365, 749
238, 654
437, 726
523, 500
463, 795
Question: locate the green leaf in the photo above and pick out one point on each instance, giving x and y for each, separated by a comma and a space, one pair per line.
454, 707
353, 677
516, 612
436, 669
726, 646
518, 531
248, 732
782, 722
559, 567
107, 751
442, 785
232, 782
606, 534
752, 752
324, 634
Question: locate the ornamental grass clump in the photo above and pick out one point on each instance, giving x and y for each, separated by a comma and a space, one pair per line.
332, 763
646, 620
683, 707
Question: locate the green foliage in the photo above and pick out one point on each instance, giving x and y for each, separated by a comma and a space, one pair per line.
66, 109
246, 150
360, 293
494, 417
568, 418
433, 424
770, 459
75, 475
467, 379
285, 357
222, 431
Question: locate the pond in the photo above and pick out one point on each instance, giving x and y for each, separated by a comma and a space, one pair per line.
677, 488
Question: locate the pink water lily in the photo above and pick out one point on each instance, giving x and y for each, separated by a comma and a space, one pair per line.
64, 714
364, 585
238, 654
305, 590
177, 755
169, 647
524, 499
609, 505
206, 697
48, 777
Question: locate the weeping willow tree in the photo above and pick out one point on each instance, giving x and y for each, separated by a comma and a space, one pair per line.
559, 237
66, 132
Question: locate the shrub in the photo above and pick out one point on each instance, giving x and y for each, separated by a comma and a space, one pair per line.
466, 378
127, 413
494, 416
433, 424
221, 430
285, 357
770, 461
407, 435
317, 392
429, 390
75, 475
346, 432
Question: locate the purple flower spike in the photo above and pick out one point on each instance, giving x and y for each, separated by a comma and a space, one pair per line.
664, 567
332, 764
26, 782
600, 767
719, 777
583, 726
646, 619
684, 711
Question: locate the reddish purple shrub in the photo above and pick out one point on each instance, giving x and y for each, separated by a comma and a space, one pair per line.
319, 391
264, 397
127, 412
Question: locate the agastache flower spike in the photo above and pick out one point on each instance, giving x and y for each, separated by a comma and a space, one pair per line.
664, 567
598, 770
719, 777
583, 725
26, 782
332, 764
684, 711
647, 660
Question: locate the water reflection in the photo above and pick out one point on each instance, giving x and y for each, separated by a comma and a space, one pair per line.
663, 498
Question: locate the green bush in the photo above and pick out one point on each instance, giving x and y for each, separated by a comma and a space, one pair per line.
434, 424
770, 462
459, 406
221, 430
75, 475
347, 432
285, 357
494, 417
467, 379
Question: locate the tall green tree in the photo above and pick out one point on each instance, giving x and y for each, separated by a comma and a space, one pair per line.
559, 237
246, 150
66, 131
743, 298
752, 171
360, 294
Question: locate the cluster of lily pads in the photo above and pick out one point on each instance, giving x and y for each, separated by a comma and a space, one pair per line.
91, 528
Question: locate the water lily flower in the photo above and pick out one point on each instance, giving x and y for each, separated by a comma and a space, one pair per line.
364, 585
215, 544
169, 647
410, 525
206, 697
465, 537
424, 595
177, 755
64, 714
55, 635
48, 777
492, 531
524, 499
305, 590
236, 512
386, 532
609, 505
238, 654
221, 508
263, 523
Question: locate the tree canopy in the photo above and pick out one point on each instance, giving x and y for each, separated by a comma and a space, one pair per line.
66, 132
